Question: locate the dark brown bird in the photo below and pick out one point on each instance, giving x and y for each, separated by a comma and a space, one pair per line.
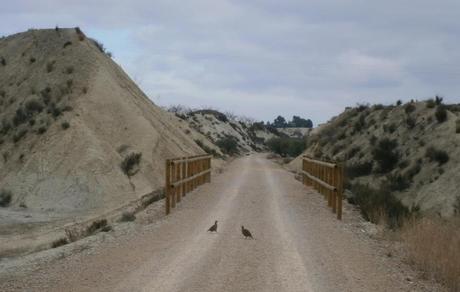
213, 228
246, 232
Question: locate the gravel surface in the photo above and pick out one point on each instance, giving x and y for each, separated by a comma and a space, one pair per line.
298, 245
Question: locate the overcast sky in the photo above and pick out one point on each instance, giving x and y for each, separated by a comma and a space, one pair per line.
263, 58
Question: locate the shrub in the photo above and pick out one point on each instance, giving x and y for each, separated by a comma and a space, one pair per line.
6, 126
33, 106
386, 154
396, 182
130, 163
46, 95
41, 130
101, 48
360, 123
66, 44
286, 146
69, 70
430, 103
408, 108
392, 128
80, 34
457, 127
32, 60
59, 242
127, 217
65, 125
3, 61
434, 154
228, 145
20, 117
410, 121
377, 203
207, 149
5, 198
358, 169
96, 226
438, 100
441, 113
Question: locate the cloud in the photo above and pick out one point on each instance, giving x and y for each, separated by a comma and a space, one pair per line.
264, 58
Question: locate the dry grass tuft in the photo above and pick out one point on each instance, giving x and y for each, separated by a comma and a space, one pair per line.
433, 246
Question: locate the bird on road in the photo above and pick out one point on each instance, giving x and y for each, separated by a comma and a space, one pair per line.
213, 228
246, 232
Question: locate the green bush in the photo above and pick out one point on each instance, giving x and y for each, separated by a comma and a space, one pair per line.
41, 130
127, 217
128, 165
5, 198
358, 169
374, 203
207, 149
410, 121
386, 154
396, 182
20, 117
32, 106
408, 108
65, 125
457, 127
228, 145
439, 156
441, 113
286, 146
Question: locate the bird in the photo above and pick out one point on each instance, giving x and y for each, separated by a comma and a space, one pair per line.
246, 232
213, 228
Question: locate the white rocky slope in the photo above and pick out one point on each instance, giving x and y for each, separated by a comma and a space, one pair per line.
70, 116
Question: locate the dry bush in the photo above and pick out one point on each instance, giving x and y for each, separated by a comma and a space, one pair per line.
433, 246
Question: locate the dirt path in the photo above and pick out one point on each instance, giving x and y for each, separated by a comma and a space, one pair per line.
298, 246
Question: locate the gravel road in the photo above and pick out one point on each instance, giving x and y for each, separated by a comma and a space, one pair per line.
298, 245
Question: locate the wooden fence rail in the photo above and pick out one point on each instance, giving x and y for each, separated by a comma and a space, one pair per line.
327, 178
183, 175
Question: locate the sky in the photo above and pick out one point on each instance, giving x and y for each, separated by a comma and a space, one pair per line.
263, 58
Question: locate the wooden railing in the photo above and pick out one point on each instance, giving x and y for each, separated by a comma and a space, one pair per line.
327, 178
183, 175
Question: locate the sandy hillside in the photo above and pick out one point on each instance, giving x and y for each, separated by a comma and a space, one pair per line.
69, 117
426, 169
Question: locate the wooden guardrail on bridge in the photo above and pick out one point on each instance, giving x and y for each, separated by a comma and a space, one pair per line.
183, 175
327, 178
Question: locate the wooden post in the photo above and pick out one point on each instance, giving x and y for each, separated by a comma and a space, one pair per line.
183, 175
334, 193
173, 189
178, 178
339, 192
167, 186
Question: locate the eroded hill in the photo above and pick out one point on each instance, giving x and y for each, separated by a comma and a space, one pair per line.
70, 117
